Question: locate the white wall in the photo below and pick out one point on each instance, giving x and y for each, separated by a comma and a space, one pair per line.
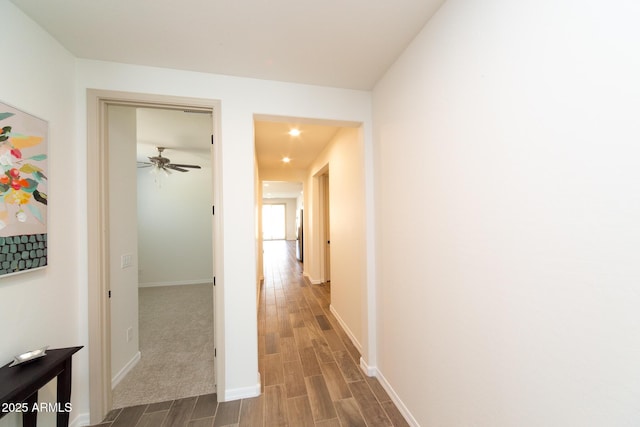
300, 202
47, 306
345, 157
508, 203
174, 224
123, 240
240, 99
289, 213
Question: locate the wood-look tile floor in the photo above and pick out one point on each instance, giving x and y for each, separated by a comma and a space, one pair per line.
308, 367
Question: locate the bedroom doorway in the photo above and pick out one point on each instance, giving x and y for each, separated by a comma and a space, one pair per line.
101, 208
170, 329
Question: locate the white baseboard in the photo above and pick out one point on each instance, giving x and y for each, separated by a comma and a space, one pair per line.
242, 393
346, 329
125, 370
311, 280
396, 399
178, 283
369, 371
82, 420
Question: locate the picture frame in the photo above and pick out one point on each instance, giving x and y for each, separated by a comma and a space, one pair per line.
23, 191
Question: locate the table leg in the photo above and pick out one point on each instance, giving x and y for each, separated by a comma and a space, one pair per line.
64, 394
30, 417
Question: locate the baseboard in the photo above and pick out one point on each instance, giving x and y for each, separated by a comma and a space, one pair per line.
82, 420
396, 399
369, 371
346, 329
242, 393
310, 280
178, 283
125, 370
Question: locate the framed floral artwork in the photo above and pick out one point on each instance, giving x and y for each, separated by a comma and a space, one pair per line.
23, 191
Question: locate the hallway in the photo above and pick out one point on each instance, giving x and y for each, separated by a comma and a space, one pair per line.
308, 366
310, 369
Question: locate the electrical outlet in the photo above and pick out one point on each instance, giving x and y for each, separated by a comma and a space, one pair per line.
129, 334
126, 260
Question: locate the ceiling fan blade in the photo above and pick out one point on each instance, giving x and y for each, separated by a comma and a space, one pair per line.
144, 164
175, 168
186, 166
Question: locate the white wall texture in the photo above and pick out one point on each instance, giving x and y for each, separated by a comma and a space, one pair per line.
344, 156
123, 237
507, 190
47, 306
174, 224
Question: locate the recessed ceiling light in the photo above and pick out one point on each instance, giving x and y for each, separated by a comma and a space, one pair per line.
294, 132
286, 159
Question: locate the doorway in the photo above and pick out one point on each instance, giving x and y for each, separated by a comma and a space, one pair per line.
324, 223
162, 310
273, 221
100, 207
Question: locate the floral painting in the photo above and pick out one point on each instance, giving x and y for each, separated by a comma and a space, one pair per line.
23, 191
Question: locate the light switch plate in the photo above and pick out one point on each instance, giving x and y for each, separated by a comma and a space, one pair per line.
126, 260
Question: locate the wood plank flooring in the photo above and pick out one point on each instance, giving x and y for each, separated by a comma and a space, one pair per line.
308, 367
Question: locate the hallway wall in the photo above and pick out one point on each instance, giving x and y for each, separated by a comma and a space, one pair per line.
38, 77
345, 157
507, 190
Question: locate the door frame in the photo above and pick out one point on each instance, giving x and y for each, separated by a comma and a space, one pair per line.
99, 317
321, 226
325, 211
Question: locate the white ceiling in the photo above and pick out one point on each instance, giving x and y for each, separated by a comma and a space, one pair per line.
186, 136
281, 190
273, 142
347, 44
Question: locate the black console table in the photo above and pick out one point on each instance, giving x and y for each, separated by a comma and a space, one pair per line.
20, 385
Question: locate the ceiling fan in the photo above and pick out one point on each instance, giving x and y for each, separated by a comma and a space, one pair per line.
164, 164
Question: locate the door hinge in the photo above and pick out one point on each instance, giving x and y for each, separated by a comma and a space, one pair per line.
211, 139
109, 293
215, 352
213, 210
214, 280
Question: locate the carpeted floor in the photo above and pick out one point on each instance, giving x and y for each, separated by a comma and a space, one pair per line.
176, 345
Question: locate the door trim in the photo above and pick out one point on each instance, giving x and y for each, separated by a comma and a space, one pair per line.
325, 211
98, 236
